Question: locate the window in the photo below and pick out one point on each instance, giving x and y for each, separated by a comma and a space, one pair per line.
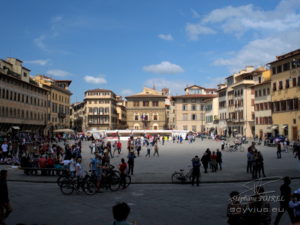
286, 66
268, 91
193, 107
294, 82
283, 105
145, 103
259, 93
185, 127
194, 128
136, 103
287, 83
184, 116
155, 103
279, 69
256, 93
194, 117
280, 85
298, 81
264, 92
184, 107
259, 80
155, 117
136, 117
274, 70
296, 103
25, 74
274, 86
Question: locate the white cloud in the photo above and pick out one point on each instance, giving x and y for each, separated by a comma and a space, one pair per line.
58, 73
176, 86
261, 51
127, 92
41, 62
167, 37
238, 20
164, 67
194, 30
39, 42
95, 79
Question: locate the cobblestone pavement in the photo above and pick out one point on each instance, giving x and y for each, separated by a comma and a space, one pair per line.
163, 204
178, 156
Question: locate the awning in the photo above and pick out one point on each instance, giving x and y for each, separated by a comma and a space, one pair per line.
284, 126
64, 131
274, 127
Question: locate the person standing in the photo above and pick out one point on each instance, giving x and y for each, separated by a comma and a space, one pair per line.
156, 150
196, 170
278, 150
131, 157
205, 161
122, 169
5, 207
222, 145
4, 148
260, 165
285, 196
250, 159
213, 162
219, 159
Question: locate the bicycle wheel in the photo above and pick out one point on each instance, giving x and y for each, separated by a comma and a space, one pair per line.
89, 188
127, 181
114, 182
67, 186
176, 177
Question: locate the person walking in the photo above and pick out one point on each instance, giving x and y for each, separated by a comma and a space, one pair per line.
5, 207
196, 170
285, 196
219, 159
223, 145
156, 150
119, 146
131, 157
278, 150
148, 149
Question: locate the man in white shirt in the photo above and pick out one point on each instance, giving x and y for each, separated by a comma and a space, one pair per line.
4, 148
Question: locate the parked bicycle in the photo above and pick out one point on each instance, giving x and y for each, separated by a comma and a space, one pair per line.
181, 177
110, 179
70, 184
234, 148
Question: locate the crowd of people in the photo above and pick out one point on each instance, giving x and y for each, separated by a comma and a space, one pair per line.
257, 208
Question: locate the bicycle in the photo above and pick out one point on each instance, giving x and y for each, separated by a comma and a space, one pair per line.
179, 176
70, 184
110, 179
61, 177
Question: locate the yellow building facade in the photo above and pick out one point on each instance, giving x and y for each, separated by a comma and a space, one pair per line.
146, 110
58, 102
285, 95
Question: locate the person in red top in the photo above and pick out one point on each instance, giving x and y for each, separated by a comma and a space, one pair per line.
50, 165
213, 161
119, 146
42, 162
122, 169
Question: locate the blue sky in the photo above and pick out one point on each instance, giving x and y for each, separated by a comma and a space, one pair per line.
124, 45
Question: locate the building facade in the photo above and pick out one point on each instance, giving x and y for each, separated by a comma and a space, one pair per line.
223, 112
101, 110
122, 113
211, 107
77, 116
285, 92
190, 108
241, 102
146, 110
262, 104
23, 102
59, 98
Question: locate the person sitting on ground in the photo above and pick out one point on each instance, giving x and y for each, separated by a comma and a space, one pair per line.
120, 214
